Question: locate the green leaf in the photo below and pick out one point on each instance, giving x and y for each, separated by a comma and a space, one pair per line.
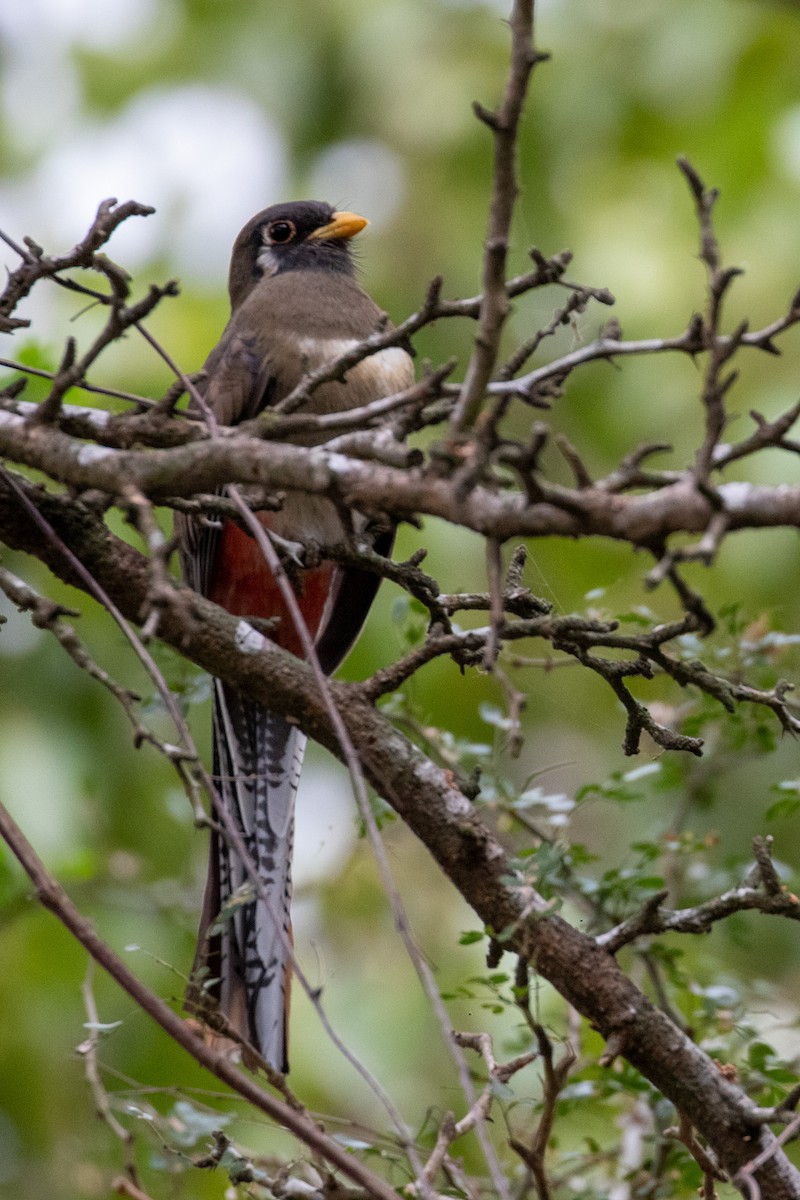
789, 806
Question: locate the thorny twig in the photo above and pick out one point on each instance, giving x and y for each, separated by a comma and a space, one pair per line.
88, 1049
84, 386
186, 759
494, 306
580, 638
47, 614
36, 265
450, 1129
533, 1151
761, 891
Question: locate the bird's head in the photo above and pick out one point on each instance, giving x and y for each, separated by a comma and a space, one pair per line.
304, 235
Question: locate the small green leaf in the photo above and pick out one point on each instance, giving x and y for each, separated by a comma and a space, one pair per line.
789, 806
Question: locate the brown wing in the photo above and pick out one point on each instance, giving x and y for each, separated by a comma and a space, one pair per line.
237, 384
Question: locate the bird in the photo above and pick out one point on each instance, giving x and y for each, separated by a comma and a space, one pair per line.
296, 305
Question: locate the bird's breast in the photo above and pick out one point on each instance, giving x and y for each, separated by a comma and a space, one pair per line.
381, 374
385, 372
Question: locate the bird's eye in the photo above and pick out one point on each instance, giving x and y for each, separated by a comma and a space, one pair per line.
280, 232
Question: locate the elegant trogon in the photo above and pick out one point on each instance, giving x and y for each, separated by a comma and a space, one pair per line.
295, 304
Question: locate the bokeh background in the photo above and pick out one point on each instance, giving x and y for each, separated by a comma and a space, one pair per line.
209, 111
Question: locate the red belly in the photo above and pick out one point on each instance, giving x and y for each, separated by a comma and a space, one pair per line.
242, 583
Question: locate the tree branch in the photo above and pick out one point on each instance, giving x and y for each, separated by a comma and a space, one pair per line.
55, 899
494, 305
438, 812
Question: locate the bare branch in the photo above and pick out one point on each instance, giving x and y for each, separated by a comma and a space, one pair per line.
762, 892
36, 265
88, 1049
494, 305
430, 802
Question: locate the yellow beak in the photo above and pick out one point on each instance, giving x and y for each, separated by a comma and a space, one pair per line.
344, 225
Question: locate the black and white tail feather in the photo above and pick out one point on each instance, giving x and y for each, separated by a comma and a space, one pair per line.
246, 930
258, 758
243, 956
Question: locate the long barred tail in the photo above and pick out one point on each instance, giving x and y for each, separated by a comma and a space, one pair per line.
243, 939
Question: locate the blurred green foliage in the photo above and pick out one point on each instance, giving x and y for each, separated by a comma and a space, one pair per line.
629, 87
